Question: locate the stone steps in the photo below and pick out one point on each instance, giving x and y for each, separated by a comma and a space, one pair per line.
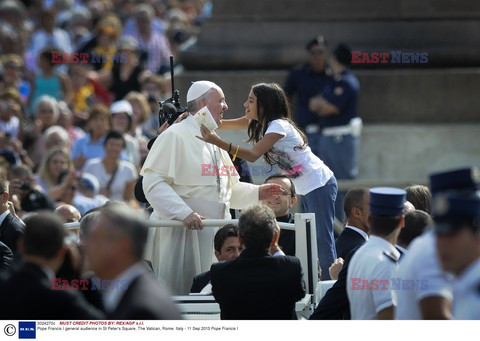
387, 96
272, 34
328, 10
403, 153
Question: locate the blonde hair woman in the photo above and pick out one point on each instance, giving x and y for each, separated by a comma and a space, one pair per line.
141, 112
56, 161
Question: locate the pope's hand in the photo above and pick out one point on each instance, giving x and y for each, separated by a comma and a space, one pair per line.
193, 221
209, 136
267, 191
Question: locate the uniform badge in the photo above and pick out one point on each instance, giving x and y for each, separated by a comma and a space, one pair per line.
338, 90
391, 256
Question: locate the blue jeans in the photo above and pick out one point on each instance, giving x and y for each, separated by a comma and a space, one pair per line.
340, 154
321, 201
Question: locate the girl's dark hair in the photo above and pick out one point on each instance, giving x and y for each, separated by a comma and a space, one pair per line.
272, 104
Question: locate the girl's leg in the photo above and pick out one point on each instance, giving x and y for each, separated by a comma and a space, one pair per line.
322, 202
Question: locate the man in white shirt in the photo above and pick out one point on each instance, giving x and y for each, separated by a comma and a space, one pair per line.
180, 182
431, 298
434, 299
458, 246
375, 264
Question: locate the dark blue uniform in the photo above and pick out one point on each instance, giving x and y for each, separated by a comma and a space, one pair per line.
343, 92
304, 83
339, 150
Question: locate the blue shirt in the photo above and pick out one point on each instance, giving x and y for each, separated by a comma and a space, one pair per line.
343, 92
304, 83
85, 146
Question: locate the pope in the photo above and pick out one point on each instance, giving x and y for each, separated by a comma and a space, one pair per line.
176, 186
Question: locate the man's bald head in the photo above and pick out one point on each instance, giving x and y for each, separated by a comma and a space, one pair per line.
68, 213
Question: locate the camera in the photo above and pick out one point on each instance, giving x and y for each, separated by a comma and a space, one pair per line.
170, 109
24, 186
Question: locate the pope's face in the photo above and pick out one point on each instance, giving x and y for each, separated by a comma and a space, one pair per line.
216, 104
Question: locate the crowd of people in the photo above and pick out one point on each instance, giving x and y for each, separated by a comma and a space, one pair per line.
71, 72
74, 148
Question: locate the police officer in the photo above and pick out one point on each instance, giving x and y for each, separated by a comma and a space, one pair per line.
458, 245
337, 108
422, 262
305, 82
372, 267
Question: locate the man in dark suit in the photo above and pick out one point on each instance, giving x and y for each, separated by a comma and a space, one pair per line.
6, 256
27, 292
227, 247
114, 247
257, 286
11, 228
334, 305
281, 205
356, 230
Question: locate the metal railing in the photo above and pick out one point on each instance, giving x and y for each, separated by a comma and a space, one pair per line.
306, 252
176, 223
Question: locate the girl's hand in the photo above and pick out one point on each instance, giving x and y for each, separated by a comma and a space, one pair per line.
209, 136
182, 117
70, 179
163, 127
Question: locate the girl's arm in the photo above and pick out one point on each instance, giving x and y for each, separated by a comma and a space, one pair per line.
248, 154
235, 123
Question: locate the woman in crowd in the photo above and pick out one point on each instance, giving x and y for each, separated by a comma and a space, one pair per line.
91, 145
122, 121
126, 75
117, 178
52, 165
45, 115
50, 82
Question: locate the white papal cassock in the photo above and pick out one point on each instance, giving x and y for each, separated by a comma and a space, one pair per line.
179, 170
